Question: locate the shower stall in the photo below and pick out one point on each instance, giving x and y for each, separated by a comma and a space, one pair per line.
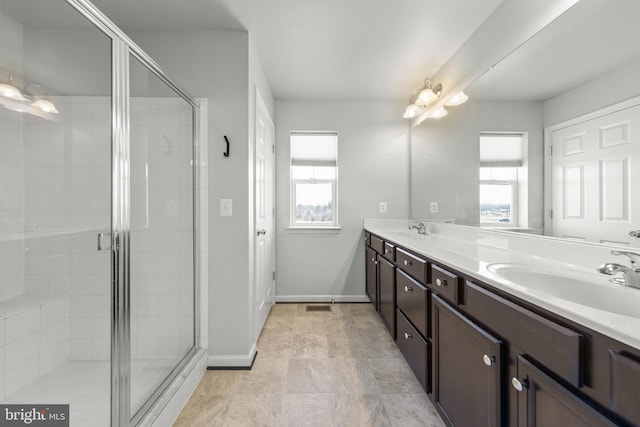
99, 217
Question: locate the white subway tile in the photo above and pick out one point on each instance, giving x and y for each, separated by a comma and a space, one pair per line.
22, 324
53, 311
80, 349
52, 358
53, 334
21, 375
81, 327
101, 349
147, 348
21, 349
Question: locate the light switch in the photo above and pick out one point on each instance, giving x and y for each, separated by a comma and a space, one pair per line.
433, 207
383, 207
226, 206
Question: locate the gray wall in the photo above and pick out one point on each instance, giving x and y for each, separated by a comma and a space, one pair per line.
611, 88
445, 159
373, 161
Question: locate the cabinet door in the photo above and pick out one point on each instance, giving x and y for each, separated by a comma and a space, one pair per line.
544, 402
372, 276
466, 368
387, 294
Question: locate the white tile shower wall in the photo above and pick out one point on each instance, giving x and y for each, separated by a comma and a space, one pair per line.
68, 202
162, 220
11, 204
32, 343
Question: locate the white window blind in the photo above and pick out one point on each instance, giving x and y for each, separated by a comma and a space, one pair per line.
314, 149
314, 179
500, 150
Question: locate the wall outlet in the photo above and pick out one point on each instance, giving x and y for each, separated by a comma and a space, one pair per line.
433, 207
226, 207
383, 207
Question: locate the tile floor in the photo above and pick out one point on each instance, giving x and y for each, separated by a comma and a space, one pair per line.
316, 369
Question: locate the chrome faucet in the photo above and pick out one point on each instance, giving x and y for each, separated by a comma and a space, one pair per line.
623, 275
419, 225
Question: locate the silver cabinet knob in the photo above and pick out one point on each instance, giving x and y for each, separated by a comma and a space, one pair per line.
519, 385
407, 336
408, 289
487, 360
373, 260
407, 262
441, 282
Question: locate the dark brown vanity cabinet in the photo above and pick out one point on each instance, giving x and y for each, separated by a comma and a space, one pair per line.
544, 402
372, 276
467, 368
387, 294
488, 358
416, 351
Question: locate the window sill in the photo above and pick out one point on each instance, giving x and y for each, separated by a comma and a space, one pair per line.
313, 230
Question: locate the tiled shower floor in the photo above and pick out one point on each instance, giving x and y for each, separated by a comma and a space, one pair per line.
316, 369
85, 386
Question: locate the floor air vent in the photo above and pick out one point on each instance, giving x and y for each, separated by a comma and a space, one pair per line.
318, 308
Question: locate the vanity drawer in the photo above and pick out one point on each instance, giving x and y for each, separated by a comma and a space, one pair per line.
556, 347
377, 244
625, 386
412, 265
445, 284
389, 251
411, 298
367, 238
414, 349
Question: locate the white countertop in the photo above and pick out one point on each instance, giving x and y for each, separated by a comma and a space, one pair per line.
605, 307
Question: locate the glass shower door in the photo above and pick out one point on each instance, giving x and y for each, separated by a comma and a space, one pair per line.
161, 287
55, 199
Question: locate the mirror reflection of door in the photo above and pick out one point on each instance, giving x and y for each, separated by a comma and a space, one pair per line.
595, 167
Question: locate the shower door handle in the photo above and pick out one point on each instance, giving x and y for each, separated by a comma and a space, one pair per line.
105, 241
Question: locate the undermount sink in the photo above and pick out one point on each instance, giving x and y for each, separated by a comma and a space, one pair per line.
573, 287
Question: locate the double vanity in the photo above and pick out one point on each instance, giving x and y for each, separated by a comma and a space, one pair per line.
506, 329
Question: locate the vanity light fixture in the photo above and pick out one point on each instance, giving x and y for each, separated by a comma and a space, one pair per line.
45, 105
457, 99
428, 94
438, 113
412, 111
419, 103
11, 92
41, 102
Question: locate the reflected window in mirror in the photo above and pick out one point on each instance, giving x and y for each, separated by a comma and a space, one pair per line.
501, 166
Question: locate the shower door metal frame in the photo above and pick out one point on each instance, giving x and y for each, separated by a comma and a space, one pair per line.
121, 48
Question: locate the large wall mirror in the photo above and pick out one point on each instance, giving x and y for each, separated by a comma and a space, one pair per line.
574, 86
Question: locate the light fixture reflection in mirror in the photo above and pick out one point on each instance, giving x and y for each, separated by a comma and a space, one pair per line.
438, 113
457, 99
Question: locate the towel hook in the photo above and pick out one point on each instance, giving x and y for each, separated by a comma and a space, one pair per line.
226, 153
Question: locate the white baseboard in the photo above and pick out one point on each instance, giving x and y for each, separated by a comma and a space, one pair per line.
322, 298
232, 360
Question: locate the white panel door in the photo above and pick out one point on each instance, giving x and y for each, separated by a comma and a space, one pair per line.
265, 265
595, 172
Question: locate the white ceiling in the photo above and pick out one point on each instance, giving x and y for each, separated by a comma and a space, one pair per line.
589, 39
329, 49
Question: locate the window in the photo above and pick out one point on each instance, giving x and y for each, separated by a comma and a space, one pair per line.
500, 165
314, 179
